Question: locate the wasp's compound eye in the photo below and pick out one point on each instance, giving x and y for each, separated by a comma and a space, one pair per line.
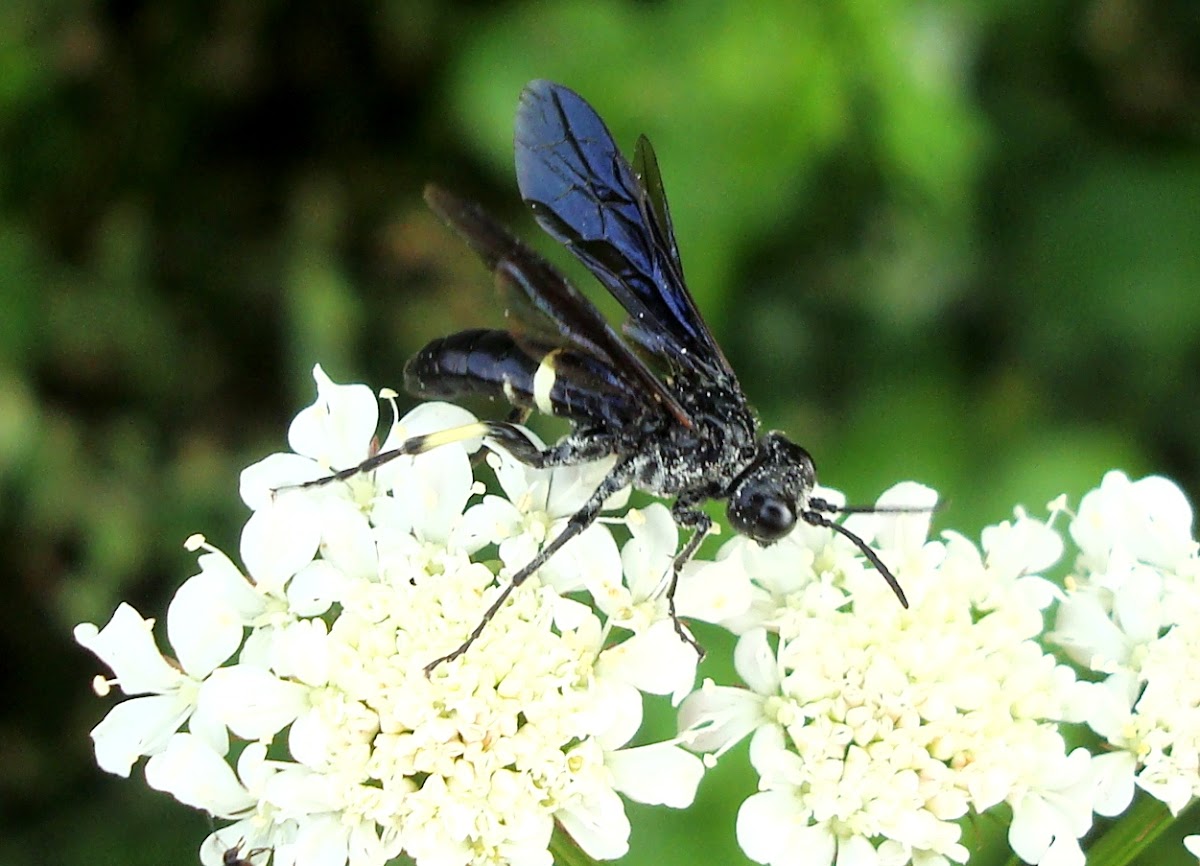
765, 517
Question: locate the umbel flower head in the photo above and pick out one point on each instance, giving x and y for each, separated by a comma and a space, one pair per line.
875, 729
1132, 615
295, 701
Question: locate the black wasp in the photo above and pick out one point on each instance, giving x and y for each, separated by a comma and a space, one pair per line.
686, 431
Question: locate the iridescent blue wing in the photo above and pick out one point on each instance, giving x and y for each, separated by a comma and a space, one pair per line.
614, 219
547, 297
645, 168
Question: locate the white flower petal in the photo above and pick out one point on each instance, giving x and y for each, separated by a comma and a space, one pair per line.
571, 486
1166, 534
1084, 630
127, 646
139, 726
207, 724
590, 560
523, 485
190, 771
253, 768
322, 841
714, 591
1137, 606
904, 532
309, 740
777, 765
1173, 789
1059, 809
260, 484
1031, 830
1192, 843
279, 540
1025, 546
1149, 519
315, 588
650, 553
204, 628
336, 429
617, 710
599, 826
432, 417
487, 522
227, 581
655, 661
856, 851
254, 704
658, 774
1114, 776
768, 833
716, 718
571, 615
301, 651
1038, 592
756, 662
1112, 704
1063, 851
435, 487
347, 540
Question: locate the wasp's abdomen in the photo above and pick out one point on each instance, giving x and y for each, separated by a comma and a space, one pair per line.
554, 381
479, 362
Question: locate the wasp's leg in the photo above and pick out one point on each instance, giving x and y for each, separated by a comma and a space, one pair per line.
621, 475
571, 451
516, 416
688, 516
510, 436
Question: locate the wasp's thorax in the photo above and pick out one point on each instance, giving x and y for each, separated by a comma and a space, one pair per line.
765, 501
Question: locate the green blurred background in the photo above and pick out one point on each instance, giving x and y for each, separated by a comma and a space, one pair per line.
955, 242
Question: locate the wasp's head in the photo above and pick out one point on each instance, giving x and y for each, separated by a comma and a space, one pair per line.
765, 501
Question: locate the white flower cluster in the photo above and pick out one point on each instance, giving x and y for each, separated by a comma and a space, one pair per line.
1132, 614
874, 728
310, 720
296, 702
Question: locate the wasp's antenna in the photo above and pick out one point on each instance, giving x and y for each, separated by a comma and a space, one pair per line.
829, 508
818, 508
816, 518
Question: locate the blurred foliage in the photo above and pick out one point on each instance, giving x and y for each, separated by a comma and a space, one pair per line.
956, 242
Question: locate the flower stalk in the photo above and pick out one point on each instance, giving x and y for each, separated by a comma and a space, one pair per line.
1126, 838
